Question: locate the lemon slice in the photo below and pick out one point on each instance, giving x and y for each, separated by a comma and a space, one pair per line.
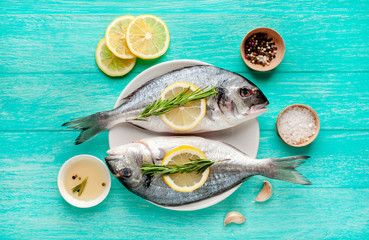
184, 182
109, 63
115, 36
189, 115
147, 37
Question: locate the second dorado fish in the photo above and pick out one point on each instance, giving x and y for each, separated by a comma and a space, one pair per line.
125, 164
237, 101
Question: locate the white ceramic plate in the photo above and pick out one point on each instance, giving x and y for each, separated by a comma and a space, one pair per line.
244, 137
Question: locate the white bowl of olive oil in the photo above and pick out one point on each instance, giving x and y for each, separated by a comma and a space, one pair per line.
84, 181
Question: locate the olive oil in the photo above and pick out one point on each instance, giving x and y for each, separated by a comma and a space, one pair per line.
79, 171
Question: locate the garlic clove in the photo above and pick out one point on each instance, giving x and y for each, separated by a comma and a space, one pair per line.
265, 193
234, 217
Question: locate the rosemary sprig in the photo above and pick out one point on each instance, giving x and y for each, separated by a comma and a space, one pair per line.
80, 187
160, 106
194, 165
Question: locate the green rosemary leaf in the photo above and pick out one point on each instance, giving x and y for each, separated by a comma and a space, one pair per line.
160, 106
194, 165
80, 187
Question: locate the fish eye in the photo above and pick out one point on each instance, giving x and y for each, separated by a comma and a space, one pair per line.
244, 92
125, 172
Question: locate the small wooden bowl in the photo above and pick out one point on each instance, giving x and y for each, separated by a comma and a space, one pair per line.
279, 43
317, 123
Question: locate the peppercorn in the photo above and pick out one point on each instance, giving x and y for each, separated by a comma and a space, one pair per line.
260, 49
103, 184
74, 177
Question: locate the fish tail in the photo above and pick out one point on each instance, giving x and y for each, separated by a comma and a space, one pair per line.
284, 169
90, 126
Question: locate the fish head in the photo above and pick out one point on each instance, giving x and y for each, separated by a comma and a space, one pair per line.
125, 162
240, 99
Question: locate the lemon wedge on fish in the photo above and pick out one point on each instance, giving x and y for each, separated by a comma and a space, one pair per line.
115, 36
147, 37
111, 64
184, 182
187, 116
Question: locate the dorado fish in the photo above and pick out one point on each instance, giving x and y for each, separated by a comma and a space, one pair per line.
237, 101
125, 164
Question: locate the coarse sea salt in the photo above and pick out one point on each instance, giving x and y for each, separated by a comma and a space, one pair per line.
296, 125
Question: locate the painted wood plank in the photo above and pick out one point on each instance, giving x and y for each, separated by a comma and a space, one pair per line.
66, 43
38, 156
201, 6
45, 101
48, 75
320, 213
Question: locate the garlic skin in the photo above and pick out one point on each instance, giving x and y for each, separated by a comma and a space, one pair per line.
265, 193
234, 217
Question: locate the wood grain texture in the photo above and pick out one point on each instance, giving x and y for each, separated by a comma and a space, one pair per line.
48, 75
66, 43
187, 7
333, 162
45, 101
298, 213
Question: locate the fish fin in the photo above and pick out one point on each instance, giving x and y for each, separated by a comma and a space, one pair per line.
90, 126
284, 169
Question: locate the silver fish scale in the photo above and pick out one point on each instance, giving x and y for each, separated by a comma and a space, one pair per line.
200, 76
223, 175
238, 100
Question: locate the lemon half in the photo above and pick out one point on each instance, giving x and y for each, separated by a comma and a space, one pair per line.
147, 37
184, 182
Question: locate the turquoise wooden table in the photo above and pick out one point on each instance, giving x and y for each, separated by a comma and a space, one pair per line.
48, 75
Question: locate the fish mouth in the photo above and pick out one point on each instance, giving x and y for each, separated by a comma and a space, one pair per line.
258, 109
109, 160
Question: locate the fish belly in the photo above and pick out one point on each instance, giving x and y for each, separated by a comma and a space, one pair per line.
223, 176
